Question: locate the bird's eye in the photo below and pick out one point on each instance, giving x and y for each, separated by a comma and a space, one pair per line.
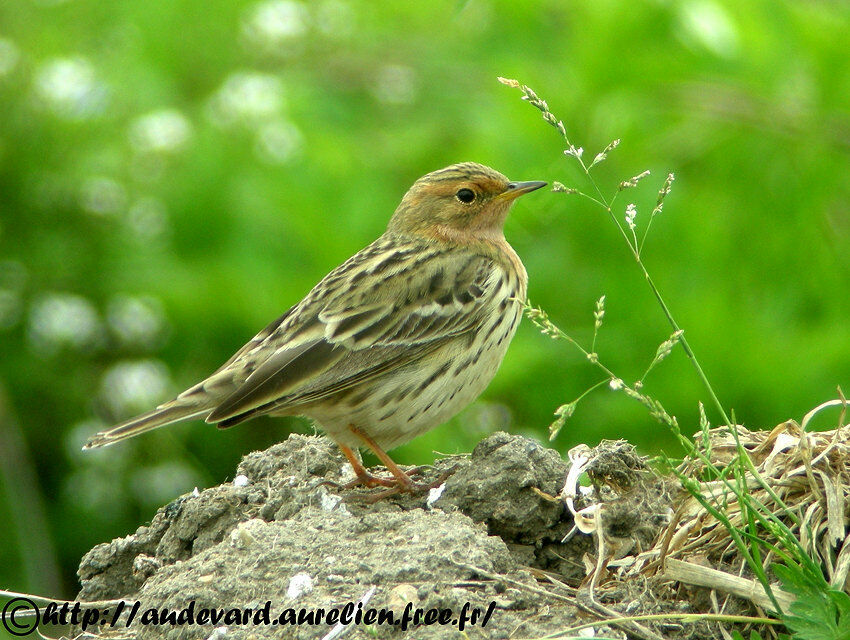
465, 195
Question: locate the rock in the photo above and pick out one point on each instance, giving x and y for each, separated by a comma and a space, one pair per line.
288, 535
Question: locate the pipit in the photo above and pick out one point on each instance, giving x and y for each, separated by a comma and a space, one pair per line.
393, 342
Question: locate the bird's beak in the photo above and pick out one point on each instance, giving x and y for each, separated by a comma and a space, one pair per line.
516, 189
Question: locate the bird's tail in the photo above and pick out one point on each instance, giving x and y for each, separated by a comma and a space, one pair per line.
163, 415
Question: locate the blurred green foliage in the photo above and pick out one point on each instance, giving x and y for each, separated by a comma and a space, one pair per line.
176, 173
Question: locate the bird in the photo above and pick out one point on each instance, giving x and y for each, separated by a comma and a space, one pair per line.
390, 344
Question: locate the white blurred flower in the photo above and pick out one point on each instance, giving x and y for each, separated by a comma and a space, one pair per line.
69, 87
395, 84
163, 131
9, 56
247, 97
278, 141
131, 387
707, 24
58, 320
136, 321
103, 196
147, 218
275, 24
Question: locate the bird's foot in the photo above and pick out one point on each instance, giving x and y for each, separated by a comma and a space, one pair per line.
370, 480
394, 485
400, 482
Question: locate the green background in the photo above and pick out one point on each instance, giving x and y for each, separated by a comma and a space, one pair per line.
175, 174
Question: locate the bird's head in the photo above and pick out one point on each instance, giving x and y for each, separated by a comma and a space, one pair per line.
467, 199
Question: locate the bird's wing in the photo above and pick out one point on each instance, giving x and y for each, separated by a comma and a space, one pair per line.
385, 308
257, 339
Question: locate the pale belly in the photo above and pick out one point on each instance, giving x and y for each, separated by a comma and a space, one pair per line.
417, 398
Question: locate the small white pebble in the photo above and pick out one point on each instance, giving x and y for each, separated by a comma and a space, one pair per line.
330, 559
588, 632
241, 481
401, 595
299, 584
218, 632
434, 495
240, 537
329, 501
195, 492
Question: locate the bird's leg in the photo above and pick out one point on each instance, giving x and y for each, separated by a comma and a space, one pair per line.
402, 480
400, 483
363, 476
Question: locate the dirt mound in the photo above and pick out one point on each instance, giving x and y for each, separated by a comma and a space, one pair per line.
283, 532
512, 537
